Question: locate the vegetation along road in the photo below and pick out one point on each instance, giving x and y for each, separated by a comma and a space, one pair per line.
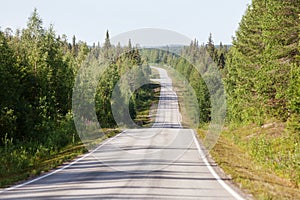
162, 162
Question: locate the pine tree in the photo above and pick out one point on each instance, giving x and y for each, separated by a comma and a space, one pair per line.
107, 44
129, 46
74, 46
260, 60
9, 90
211, 47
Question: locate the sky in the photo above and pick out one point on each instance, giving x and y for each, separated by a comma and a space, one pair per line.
88, 20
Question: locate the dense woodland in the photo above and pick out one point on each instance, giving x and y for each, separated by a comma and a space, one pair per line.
261, 75
37, 75
262, 82
38, 70
198, 65
260, 72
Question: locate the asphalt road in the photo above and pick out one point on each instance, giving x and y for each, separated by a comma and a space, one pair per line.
163, 162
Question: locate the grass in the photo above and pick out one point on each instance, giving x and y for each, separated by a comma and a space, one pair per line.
28, 160
180, 90
21, 162
147, 102
262, 161
187, 104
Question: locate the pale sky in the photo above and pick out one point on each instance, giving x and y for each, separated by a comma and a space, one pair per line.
88, 20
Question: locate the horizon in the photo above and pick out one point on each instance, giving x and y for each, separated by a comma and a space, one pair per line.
89, 20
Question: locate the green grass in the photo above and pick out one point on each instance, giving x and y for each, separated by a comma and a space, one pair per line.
20, 162
147, 105
262, 161
147, 101
186, 102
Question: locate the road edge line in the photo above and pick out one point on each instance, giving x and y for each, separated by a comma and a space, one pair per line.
64, 167
212, 171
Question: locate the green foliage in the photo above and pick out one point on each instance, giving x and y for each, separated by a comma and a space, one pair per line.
262, 161
9, 82
197, 64
294, 100
141, 101
37, 75
277, 153
262, 80
261, 60
129, 61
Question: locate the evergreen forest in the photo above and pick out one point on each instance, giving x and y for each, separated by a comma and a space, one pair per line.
260, 72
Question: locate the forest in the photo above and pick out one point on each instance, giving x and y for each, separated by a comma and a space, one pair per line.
259, 70
261, 75
38, 71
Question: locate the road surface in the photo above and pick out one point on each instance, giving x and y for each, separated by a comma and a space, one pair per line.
162, 162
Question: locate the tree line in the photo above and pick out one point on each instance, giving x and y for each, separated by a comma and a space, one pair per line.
199, 65
37, 73
262, 70
261, 76
38, 69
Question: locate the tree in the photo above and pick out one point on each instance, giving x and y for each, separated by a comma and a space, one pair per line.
211, 47
74, 46
129, 45
260, 61
9, 90
107, 46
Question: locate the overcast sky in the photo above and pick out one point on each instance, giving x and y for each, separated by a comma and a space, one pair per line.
89, 19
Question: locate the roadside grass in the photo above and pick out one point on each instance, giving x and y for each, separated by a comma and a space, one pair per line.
22, 165
21, 162
262, 161
154, 74
147, 102
188, 111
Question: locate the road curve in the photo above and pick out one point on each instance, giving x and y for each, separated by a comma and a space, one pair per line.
162, 162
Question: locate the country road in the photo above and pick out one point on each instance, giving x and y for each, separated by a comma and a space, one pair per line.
162, 162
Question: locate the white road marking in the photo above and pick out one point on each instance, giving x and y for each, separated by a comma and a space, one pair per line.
60, 169
212, 171
179, 118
